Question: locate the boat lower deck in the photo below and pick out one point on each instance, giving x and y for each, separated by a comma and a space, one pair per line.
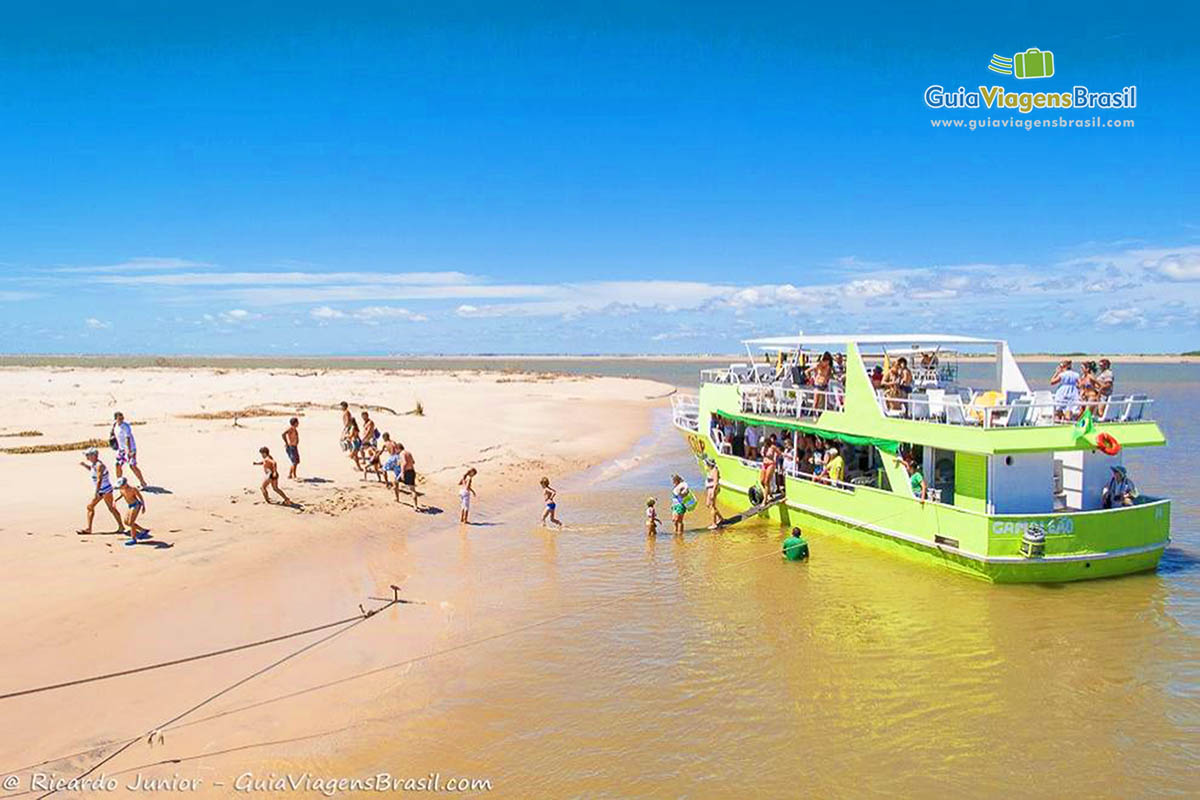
1078, 546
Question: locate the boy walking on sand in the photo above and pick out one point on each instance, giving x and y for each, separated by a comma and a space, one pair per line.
548, 494
291, 445
101, 489
271, 470
137, 504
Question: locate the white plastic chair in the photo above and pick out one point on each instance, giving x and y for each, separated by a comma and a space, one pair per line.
918, 404
937, 403
1137, 407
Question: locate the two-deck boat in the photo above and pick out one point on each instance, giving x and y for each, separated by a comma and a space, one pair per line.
1015, 486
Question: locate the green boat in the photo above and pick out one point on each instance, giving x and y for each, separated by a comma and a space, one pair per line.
1014, 485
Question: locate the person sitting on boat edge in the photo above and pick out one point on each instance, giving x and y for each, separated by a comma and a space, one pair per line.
1120, 490
795, 548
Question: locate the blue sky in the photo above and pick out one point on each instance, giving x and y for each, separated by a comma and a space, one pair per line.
608, 177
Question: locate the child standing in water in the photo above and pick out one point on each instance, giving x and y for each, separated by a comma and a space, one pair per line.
548, 495
464, 495
137, 504
651, 517
271, 469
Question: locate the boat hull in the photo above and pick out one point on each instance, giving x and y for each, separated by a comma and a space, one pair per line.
1079, 546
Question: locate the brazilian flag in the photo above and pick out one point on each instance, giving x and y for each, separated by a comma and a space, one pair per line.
1084, 425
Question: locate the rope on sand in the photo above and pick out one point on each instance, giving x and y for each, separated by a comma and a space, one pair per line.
176, 661
156, 731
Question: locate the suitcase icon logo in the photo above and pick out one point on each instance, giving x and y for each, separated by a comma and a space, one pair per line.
1033, 63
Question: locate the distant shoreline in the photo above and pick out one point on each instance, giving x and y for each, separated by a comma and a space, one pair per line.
436, 361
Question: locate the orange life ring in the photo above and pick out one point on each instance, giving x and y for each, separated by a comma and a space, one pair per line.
1108, 444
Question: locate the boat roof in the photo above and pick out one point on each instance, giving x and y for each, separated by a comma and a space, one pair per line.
777, 342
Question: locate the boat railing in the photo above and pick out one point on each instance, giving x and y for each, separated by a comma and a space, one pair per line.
685, 411
739, 373
982, 409
773, 399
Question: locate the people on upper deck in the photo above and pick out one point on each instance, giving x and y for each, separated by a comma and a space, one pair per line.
1089, 387
897, 384
820, 375
1066, 391
1105, 382
877, 378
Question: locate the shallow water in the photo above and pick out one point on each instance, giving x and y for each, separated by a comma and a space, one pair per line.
708, 667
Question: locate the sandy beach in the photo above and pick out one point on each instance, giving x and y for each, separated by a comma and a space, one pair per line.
223, 567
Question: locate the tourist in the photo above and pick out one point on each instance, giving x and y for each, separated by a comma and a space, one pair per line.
712, 488
916, 480
291, 446
465, 490
1120, 490
751, 440
271, 470
835, 467
1104, 381
391, 458
877, 378
102, 490
369, 432
794, 546
137, 505
407, 474
651, 517
347, 418
1088, 387
1066, 392
897, 385
126, 447
766, 472
549, 496
355, 441
820, 375
679, 495
371, 458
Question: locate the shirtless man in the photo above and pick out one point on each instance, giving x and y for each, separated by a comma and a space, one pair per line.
712, 487
390, 456
102, 489
126, 447
407, 473
369, 434
271, 470
137, 504
291, 445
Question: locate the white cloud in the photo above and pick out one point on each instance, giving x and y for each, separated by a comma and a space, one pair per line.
1127, 316
1178, 266
325, 313
96, 324
466, 310
138, 265
235, 315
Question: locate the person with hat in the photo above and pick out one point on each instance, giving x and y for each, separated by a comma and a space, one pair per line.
712, 487
1120, 490
102, 490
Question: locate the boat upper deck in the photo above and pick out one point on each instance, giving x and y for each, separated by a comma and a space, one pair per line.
925, 401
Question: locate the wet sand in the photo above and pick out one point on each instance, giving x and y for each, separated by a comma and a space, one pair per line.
224, 567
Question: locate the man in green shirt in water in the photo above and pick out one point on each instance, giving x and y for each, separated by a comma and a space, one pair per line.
794, 546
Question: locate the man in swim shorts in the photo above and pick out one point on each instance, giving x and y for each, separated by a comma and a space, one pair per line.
407, 474
137, 504
291, 445
102, 491
126, 447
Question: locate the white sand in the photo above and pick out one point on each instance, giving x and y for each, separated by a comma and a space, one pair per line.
240, 569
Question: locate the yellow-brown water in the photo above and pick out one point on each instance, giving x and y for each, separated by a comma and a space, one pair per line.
708, 667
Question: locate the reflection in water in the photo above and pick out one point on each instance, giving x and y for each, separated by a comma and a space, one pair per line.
706, 666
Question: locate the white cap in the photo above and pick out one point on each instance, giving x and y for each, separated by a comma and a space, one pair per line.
832, 451
122, 481
91, 451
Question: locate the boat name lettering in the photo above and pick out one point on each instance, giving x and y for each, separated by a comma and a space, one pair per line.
1050, 526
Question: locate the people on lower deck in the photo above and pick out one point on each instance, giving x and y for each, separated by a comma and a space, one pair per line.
1120, 490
